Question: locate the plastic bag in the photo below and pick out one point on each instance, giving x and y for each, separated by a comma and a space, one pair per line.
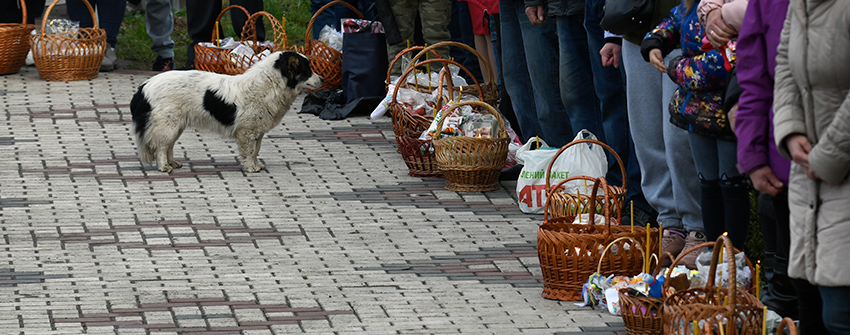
331, 38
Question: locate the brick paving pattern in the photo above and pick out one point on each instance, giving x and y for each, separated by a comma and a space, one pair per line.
333, 238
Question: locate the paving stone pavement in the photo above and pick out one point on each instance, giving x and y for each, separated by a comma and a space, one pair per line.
333, 238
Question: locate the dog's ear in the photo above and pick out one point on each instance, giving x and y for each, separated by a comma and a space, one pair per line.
294, 63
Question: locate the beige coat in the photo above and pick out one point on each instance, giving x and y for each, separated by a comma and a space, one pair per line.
811, 98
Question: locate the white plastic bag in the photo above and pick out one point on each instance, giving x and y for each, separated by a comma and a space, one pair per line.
584, 159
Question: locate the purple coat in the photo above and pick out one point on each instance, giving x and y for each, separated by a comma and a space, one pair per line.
757, 42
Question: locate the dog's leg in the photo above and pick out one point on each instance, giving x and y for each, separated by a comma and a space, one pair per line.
171, 161
248, 141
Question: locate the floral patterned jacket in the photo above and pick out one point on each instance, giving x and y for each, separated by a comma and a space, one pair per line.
697, 104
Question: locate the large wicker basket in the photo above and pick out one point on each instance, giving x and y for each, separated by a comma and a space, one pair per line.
569, 253
60, 57
325, 61
471, 164
709, 308
562, 203
238, 64
15, 42
214, 59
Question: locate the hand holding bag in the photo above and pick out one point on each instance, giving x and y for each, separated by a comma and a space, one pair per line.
624, 16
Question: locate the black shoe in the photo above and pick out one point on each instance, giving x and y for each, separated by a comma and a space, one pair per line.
187, 66
642, 216
511, 173
163, 64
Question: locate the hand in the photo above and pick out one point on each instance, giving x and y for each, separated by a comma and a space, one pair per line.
764, 180
657, 60
799, 147
611, 54
535, 14
717, 31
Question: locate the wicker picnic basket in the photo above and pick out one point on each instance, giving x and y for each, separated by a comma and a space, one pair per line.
325, 61
419, 154
237, 64
215, 59
562, 203
61, 57
398, 123
569, 252
471, 164
15, 39
709, 308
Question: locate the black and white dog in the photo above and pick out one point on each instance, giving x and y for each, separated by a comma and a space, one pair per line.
244, 106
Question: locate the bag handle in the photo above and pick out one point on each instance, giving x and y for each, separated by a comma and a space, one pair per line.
308, 38
50, 8
217, 26
249, 31
475, 103
585, 140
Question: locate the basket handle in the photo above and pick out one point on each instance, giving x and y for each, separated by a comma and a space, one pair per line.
218, 20
462, 46
585, 140
309, 36
695, 248
636, 243
410, 69
401, 54
606, 208
477, 103
24, 13
53, 4
723, 242
559, 184
780, 329
249, 32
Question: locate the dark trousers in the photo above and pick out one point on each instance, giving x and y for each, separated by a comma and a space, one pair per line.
780, 295
201, 15
10, 11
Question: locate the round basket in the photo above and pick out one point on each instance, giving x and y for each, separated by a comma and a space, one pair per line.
419, 155
325, 61
15, 39
60, 57
709, 308
561, 203
214, 59
569, 253
237, 64
471, 164
642, 315
419, 123
488, 91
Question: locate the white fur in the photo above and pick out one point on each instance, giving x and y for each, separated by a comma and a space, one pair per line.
261, 96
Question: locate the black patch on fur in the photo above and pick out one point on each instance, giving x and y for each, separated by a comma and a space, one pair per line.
221, 110
140, 108
294, 67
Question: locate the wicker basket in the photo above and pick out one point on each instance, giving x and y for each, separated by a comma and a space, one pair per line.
325, 61
238, 64
471, 164
60, 57
213, 59
711, 307
569, 253
561, 203
15, 39
419, 155
488, 91
642, 315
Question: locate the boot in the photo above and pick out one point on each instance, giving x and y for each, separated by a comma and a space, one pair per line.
736, 205
713, 217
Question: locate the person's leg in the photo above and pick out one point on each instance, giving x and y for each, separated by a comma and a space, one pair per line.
110, 14
576, 86
704, 150
405, 13
460, 30
515, 76
200, 18
159, 23
10, 11
736, 194
325, 18
773, 216
836, 309
810, 307
239, 17
435, 16
683, 172
77, 11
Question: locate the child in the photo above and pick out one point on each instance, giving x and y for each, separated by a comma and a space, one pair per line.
697, 107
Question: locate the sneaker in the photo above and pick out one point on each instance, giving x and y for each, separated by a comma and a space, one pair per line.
694, 238
672, 241
163, 64
109, 59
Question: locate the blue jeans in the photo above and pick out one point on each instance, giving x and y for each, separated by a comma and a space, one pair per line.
110, 15
528, 65
610, 86
836, 309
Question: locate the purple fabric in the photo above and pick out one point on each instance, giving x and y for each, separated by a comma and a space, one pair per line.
757, 42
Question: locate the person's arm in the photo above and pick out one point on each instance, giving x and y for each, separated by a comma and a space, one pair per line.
665, 36
829, 159
709, 66
788, 115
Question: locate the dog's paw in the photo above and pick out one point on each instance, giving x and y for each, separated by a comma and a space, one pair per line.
254, 167
175, 165
166, 168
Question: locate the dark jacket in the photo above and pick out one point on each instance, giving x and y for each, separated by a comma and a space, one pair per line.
559, 7
659, 13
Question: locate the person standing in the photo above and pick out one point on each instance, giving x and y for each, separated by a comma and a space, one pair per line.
110, 14
159, 23
812, 128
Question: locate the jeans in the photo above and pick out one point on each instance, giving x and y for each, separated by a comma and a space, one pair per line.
528, 64
159, 23
610, 86
836, 309
460, 28
110, 14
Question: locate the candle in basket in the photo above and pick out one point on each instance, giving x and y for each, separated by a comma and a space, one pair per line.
756, 282
696, 327
646, 260
660, 236
632, 204
764, 322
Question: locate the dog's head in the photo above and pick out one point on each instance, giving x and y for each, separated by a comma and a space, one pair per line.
295, 68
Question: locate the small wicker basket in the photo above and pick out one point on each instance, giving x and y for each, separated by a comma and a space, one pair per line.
471, 164
59, 57
15, 39
238, 64
325, 61
214, 59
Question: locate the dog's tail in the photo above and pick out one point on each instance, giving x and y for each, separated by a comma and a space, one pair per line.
140, 108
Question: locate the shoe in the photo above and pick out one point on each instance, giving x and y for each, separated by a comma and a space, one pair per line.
641, 217
694, 238
163, 64
672, 241
511, 173
109, 59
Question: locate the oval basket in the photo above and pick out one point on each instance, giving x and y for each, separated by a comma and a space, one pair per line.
15, 39
325, 61
213, 59
60, 57
238, 64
